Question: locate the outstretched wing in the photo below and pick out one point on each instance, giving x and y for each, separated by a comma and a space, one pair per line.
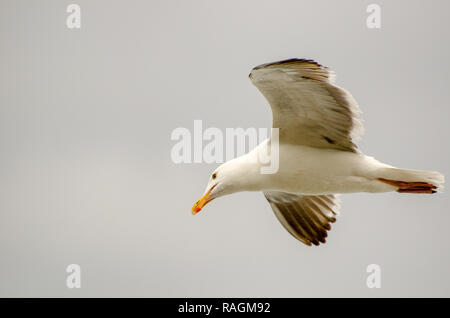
306, 217
306, 107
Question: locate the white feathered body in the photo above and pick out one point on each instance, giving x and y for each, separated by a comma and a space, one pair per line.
315, 171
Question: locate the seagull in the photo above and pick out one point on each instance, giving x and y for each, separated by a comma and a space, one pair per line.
318, 124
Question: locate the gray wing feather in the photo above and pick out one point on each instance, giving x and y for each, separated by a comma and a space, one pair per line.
306, 106
306, 217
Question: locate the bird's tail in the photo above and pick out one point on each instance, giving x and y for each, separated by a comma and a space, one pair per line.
413, 181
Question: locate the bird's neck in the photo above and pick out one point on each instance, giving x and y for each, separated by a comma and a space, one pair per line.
248, 174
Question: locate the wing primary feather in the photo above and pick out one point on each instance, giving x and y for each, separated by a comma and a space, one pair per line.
307, 218
306, 105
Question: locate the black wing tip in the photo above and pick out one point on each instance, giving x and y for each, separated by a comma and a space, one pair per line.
291, 60
315, 240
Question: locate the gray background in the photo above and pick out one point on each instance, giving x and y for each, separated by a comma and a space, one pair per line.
85, 170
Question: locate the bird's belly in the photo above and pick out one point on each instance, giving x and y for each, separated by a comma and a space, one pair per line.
321, 171
313, 184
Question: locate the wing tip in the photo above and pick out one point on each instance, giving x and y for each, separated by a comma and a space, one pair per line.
307, 69
290, 61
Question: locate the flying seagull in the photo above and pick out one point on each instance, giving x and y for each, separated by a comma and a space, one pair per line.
318, 123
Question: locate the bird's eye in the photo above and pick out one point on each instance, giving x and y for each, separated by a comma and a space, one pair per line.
214, 176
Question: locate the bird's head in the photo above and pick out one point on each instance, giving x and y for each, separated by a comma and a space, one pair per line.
230, 177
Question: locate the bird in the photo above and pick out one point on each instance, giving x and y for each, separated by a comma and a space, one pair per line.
318, 124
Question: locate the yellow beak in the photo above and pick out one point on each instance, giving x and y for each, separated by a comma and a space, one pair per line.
205, 199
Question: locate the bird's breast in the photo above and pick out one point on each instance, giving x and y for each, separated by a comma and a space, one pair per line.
308, 170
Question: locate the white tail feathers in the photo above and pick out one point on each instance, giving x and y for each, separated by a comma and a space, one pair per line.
414, 176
